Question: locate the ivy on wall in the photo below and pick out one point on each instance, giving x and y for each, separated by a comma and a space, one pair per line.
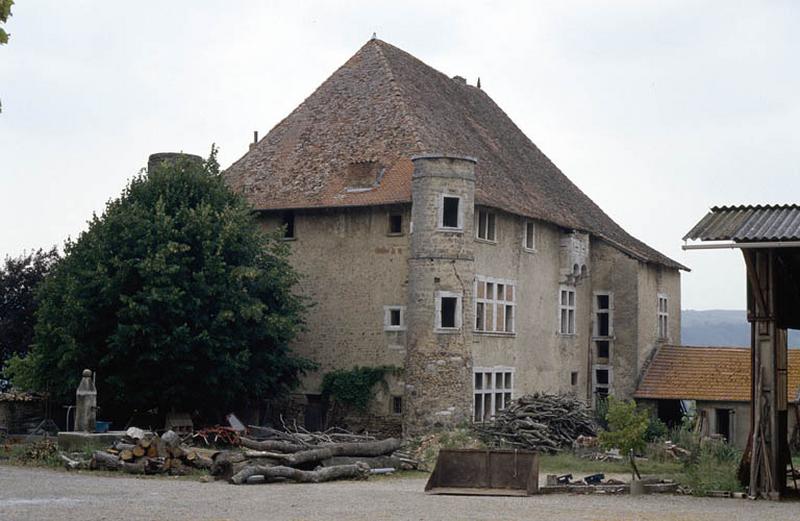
353, 387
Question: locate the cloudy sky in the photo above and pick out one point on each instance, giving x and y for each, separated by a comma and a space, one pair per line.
657, 110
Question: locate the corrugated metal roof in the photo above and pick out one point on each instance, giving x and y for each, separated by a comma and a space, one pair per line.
749, 223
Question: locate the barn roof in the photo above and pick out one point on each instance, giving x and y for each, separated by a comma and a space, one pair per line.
706, 373
748, 223
350, 144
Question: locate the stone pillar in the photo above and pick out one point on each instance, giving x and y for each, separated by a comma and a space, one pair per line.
156, 160
438, 371
86, 404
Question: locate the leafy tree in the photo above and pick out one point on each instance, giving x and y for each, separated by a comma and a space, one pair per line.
626, 427
175, 296
5, 13
19, 278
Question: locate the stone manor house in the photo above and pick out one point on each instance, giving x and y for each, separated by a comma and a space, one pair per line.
435, 237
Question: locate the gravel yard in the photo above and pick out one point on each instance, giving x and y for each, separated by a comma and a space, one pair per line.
42, 495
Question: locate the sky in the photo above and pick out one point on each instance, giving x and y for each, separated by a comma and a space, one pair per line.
657, 110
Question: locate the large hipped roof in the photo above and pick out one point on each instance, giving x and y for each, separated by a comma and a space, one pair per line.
384, 106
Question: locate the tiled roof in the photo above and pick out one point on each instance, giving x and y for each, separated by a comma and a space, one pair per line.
706, 373
749, 223
384, 106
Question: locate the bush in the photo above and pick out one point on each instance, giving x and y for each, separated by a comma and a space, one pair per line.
626, 427
656, 429
353, 387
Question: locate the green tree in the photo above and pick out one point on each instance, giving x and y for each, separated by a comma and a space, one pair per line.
626, 427
19, 278
5, 13
175, 296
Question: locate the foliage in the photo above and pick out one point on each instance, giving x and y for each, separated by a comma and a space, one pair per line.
5, 13
601, 412
175, 296
713, 467
626, 427
19, 278
353, 387
39, 453
656, 429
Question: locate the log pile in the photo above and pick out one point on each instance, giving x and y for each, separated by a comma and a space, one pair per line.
296, 454
543, 422
143, 452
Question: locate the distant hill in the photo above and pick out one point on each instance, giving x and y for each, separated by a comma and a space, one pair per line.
720, 327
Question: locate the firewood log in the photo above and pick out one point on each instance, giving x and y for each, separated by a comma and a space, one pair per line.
272, 445
104, 461
138, 451
145, 442
126, 455
152, 451
357, 471
171, 439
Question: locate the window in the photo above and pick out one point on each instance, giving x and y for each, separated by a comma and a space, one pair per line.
493, 389
394, 318
494, 305
566, 305
395, 224
529, 237
573, 378
602, 383
485, 224
603, 326
603, 350
397, 405
448, 310
450, 213
663, 317
287, 221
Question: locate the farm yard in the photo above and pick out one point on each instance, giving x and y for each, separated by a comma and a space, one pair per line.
32, 494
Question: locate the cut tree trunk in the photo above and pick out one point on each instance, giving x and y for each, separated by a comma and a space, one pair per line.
104, 461
370, 448
357, 471
272, 445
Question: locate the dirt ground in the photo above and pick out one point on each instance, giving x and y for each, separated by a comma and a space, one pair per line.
42, 495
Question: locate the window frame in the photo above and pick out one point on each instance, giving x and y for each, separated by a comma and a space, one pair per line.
485, 302
492, 391
490, 225
525, 235
609, 386
438, 311
459, 216
572, 329
389, 231
662, 316
387, 318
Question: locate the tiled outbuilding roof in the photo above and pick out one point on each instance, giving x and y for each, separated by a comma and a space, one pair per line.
384, 106
706, 373
749, 223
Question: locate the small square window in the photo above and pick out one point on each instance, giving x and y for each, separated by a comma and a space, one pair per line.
394, 318
601, 376
397, 405
395, 224
450, 212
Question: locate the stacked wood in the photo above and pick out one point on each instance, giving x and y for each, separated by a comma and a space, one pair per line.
542, 421
282, 459
143, 452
